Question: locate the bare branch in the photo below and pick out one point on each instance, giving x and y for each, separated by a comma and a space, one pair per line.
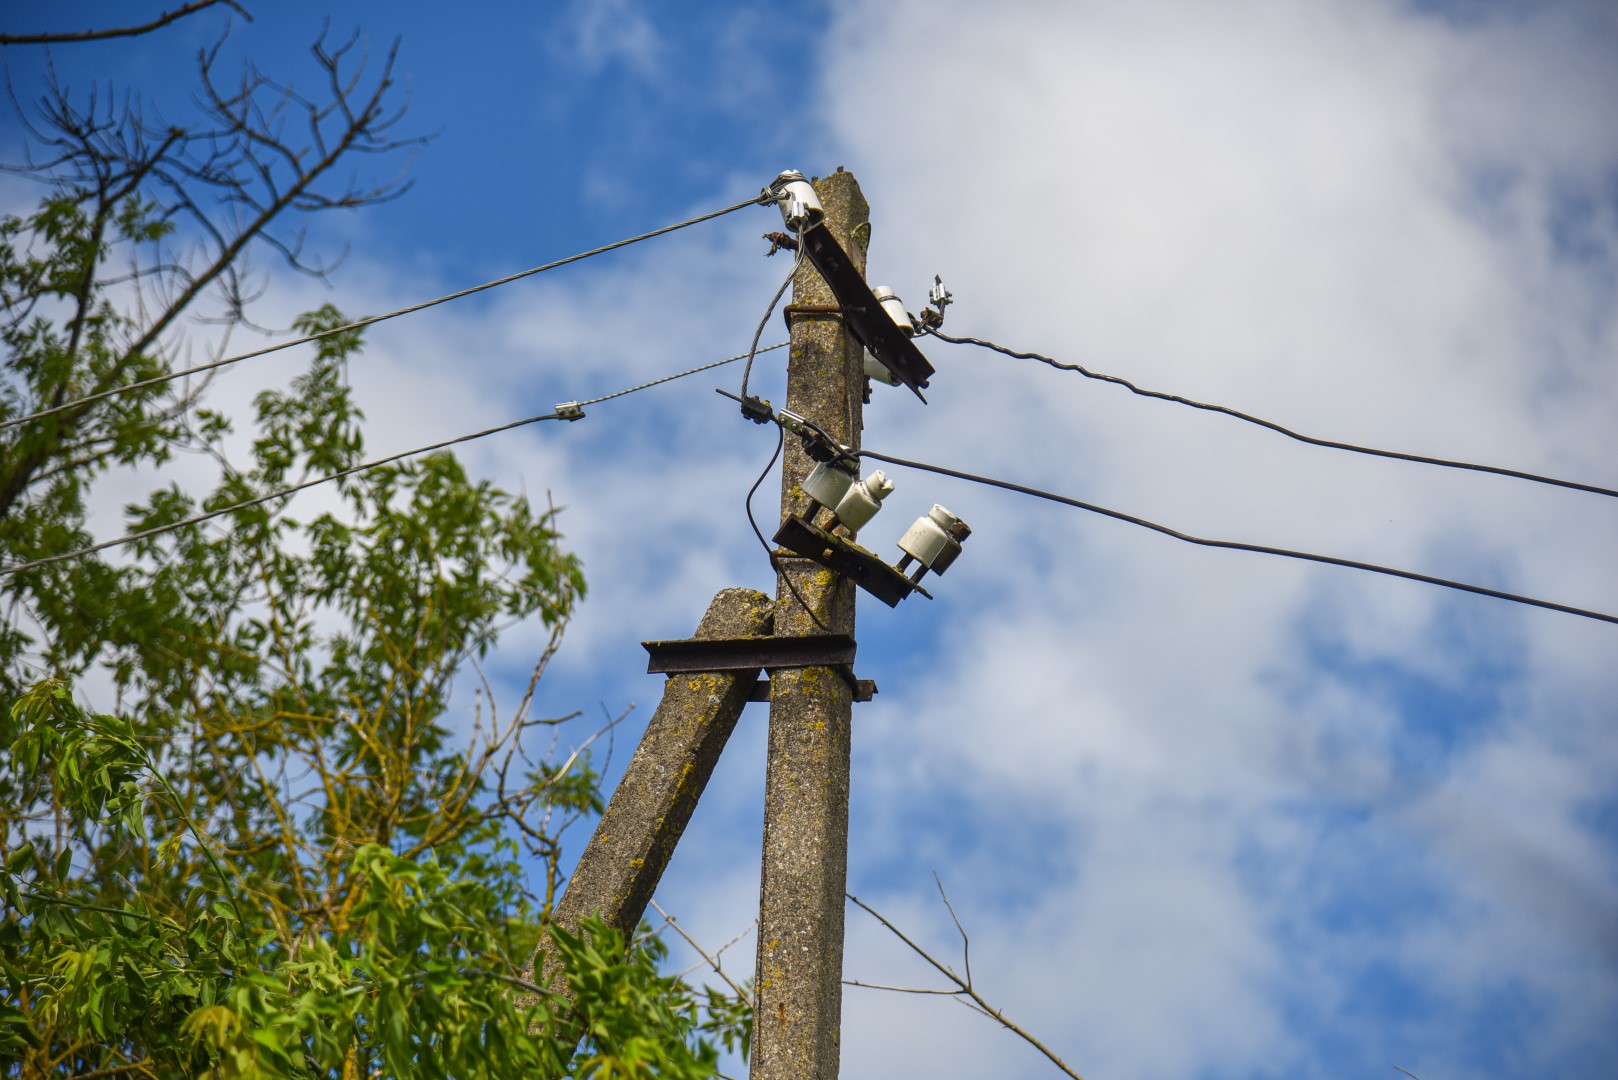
123, 31
966, 943
713, 961
966, 993
904, 989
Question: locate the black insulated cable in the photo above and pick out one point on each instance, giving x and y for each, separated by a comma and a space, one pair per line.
1236, 545
1330, 444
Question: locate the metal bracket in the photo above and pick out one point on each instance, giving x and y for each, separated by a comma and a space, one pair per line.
862, 314
841, 556
749, 654
864, 690
790, 310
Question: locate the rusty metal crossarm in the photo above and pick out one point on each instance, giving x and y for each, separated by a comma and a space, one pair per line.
746, 656
862, 315
748, 653
842, 556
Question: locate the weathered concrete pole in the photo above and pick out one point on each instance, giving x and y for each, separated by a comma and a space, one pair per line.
620, 868
800, 937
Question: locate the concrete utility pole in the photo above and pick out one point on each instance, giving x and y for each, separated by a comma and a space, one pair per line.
800, 934
632, 844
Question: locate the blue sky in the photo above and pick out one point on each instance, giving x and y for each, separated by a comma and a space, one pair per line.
1205, 814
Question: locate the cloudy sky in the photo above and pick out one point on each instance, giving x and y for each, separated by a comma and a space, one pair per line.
1203, 813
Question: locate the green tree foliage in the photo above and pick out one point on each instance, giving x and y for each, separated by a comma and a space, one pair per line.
284, 854
195, 967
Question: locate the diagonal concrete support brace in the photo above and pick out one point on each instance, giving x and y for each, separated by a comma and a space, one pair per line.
621, 866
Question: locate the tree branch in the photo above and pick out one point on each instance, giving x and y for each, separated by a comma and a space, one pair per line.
123, 31
965, 988
713, 961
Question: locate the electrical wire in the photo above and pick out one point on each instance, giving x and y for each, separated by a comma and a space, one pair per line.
775, 563
369, 321
681, 375
197, 519
281, 492
1235, 545
747, 371
1329, 444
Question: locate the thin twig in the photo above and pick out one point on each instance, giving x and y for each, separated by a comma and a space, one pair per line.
713, 961
904, 989
966, 991
966, 943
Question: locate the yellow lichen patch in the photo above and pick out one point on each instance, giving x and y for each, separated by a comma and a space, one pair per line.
637, 863
862, 235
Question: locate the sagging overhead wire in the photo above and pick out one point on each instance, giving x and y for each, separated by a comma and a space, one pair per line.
1235, 545
678, 375
754, 350
197, 519
89, 399
775, 563
1329, 444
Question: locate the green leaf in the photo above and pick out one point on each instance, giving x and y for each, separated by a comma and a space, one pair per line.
17, 860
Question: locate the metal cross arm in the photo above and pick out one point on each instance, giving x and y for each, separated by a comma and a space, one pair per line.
842, 556
749, 654
862, 313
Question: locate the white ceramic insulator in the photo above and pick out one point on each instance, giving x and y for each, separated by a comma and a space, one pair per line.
894, 307
827, 484
926, 538
863, 500
875, 369
800, 206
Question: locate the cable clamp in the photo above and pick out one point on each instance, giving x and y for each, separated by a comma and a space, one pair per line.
757, 409
817, 444
939, 298
570, 410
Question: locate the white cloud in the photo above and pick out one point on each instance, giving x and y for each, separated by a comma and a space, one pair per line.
1339, 216
616, 32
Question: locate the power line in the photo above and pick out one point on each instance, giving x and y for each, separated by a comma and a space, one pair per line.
1329, 444
294, 489
681, 375
775, 563
278, 493
372, 320
747, 371
1235, 545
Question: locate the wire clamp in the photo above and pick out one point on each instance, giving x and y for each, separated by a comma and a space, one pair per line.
570, 410
816, 443
756, 409
938, 298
